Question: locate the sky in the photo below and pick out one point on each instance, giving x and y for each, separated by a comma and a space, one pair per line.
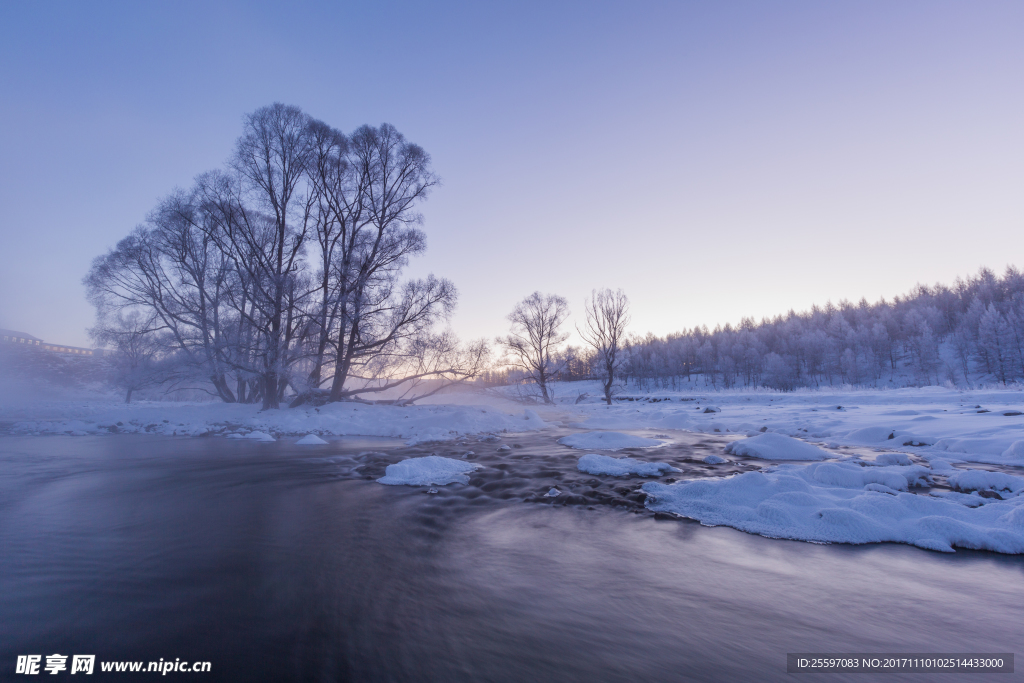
714, 160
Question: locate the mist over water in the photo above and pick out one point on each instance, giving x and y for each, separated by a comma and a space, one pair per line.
278, 562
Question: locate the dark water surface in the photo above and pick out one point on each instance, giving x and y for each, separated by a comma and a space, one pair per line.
285, 563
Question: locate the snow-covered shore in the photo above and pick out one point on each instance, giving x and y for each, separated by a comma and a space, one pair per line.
985, 426
413, 423
936, 423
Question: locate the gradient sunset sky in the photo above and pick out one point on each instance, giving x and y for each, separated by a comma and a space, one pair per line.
715, 160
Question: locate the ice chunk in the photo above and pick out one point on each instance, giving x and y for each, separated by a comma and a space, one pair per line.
769, 446
820, 502
430, 469
609, 441
714, 460
592, 463
310, 440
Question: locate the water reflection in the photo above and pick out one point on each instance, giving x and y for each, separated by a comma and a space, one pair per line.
282, 563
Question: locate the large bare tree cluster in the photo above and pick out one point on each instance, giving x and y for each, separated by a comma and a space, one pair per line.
281, 274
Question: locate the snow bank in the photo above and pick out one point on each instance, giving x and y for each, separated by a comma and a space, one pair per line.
430, 469
609, 441
981, 480
776, 447
310, 440
1014, 455
414, 423
593, 463
844, 503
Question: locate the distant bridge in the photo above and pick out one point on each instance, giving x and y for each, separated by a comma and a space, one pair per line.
23, 339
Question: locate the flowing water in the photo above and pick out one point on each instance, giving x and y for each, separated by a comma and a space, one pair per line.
279, 562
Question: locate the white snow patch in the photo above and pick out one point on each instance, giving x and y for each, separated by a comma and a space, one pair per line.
609, 441
592, 463
770, 446
982, 480
430, 469
310, 440
259, 436
893, 459
844, 503
414, 423
1015, 453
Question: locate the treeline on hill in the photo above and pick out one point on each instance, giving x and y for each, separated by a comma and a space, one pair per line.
971, 331
280, 274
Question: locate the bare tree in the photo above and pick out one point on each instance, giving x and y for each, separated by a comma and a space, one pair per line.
607, 315
535, 337
375, 312
271, 158
285, 269
425, 365
134, 361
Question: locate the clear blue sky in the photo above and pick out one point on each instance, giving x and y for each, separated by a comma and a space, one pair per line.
714, 159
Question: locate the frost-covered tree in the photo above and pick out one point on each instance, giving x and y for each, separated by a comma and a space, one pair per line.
975, 326
535, 335
135, 348
995, 342
606, 315
283, 272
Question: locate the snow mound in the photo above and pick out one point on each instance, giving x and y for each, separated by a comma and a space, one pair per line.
592, 463
893, 459
430, 469
1015, 453
714, 460
609, 441
982, 480
869, 435
259, 436
310, 440
770, 446
844, 503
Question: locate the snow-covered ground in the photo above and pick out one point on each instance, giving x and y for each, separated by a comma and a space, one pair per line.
934, 422
896, 440
413, 423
